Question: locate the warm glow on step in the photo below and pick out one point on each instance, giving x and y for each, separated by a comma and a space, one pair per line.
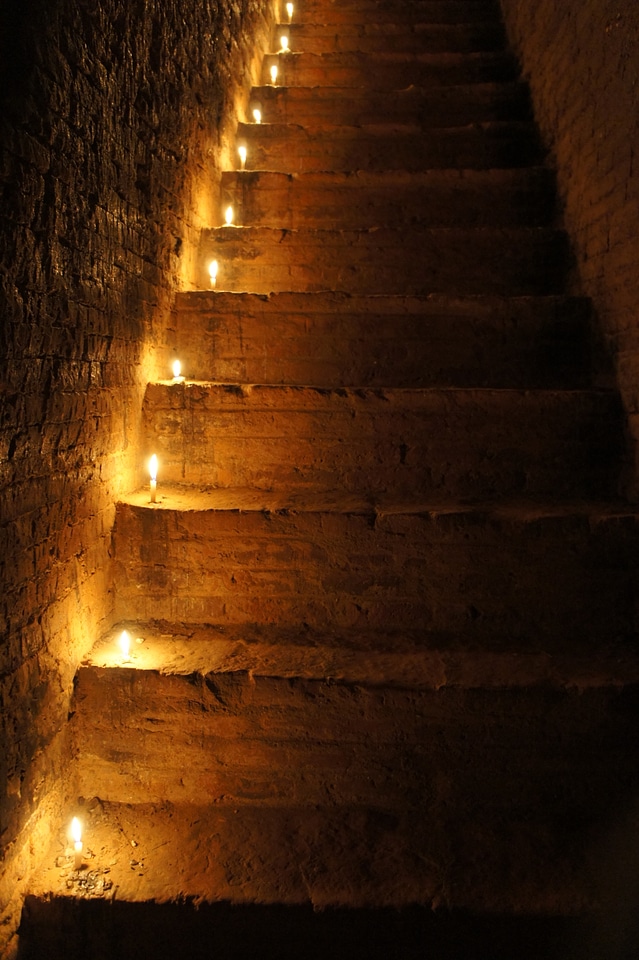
213, 266
242, 153
257, 115
283, 43
228, 215
153, 472
274, 73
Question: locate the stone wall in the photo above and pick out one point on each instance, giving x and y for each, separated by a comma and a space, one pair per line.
114, 119
582, 62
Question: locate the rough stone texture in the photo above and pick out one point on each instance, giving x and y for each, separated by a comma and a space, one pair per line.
581, 60
103, 156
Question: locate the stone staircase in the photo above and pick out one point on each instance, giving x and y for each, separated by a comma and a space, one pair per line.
382, 611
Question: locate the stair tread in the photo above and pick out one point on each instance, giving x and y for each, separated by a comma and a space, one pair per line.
187, 497
383, 659
343, 302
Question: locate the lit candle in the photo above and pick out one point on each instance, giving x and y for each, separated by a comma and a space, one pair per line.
228, 216
153, 470
274, 73
284, 43
76, 836
177, 371
289, 10
257, 115
125, 645
213, 272
242, 153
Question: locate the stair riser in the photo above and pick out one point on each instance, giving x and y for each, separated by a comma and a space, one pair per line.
479, 198
388, 71
466, 444
419, 262
141, 736
291, 149
445, 107
464, 579
334, 341
390, 38
394, 12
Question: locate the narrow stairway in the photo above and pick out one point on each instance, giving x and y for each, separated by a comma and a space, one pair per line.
380, 611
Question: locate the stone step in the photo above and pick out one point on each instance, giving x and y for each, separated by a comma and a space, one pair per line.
387, 71
251, 734
426, 107
390, 37
333, 340
419, 261
145, 920
434, 198
455, 443
394, 12
517, 577
291, 148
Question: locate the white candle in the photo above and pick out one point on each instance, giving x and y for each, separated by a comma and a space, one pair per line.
257, 115
125, 644
242, 153
289, 10
76, 836
284, 43
153, 471
273, 73
213, 272
177, 370
228, 216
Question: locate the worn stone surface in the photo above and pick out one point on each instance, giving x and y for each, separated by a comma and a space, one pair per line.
384, 341
424, 444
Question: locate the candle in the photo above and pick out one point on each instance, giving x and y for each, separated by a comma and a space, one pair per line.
177, 370
153, 471
242, 153
289, 10
76, 836
273, 73
284, 43
213, 272
257, 115
125, 644
228, 216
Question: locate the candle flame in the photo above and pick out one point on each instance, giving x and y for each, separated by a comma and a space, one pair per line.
228, 215
153, 467
76, 830
177, 369
257, 115
242, 153
125, 644
273, 73
213, 272
284, 43
289, 10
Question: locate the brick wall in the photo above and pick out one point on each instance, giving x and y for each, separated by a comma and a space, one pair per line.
113, 119
582, 61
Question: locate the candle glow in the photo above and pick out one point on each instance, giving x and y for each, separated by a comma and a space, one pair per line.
177, 369
242, 153
153, 471
257, 115
228, 216
213, 272
289, 10
274, 73
284, 43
